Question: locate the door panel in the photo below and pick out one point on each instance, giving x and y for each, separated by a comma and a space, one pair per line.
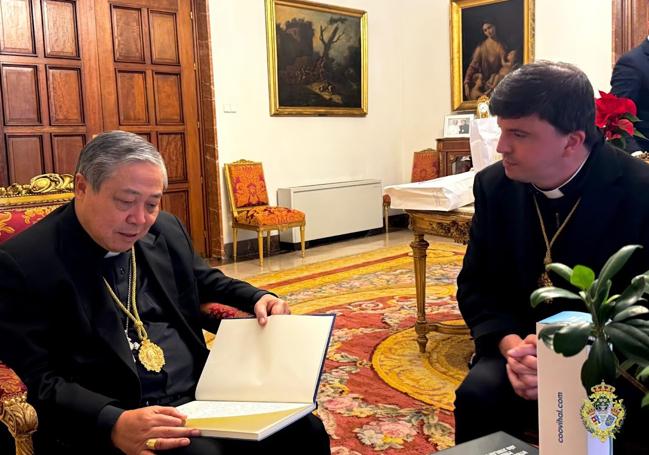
17, 35
49, 82
149, 88
59, 29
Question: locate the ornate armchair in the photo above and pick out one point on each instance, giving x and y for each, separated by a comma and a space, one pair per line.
20, 207
425, 166
250, 209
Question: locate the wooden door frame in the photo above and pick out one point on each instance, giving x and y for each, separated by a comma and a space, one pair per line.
207, 131
629, 25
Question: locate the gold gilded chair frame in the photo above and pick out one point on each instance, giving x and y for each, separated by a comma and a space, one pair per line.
46, 189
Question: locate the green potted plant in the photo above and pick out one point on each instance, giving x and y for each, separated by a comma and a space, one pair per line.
619, 323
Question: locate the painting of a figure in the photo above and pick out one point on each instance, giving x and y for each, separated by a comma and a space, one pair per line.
490, 39
317, 59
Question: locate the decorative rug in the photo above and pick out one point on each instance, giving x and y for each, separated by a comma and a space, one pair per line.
378, 393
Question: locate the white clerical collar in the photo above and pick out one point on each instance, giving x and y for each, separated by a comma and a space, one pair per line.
557, 193
112, 254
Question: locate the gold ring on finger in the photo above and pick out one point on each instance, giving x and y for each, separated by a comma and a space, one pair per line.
150, 443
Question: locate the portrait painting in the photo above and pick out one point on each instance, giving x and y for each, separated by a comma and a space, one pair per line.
489, 39
317, 58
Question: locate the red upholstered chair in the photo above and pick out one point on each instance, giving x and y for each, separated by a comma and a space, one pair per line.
21, 206
425, 166
250, 209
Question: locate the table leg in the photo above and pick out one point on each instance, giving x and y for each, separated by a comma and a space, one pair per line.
419, 246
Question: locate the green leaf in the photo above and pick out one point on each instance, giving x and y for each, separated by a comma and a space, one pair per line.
546, 334
630, 341
644, 374
572, 338
598, 302
582, 277
641, 324
614, 264
542, 294
645, 400
631, 117
631, 294
599, 366
562, 270
631, 312
637, 133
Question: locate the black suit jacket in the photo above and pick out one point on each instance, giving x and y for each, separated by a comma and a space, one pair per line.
504, 257
62, 333
631, 79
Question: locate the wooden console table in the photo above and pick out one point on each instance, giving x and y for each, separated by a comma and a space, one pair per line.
454, 224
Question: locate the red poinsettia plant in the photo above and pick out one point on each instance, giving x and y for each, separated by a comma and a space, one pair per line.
615, 116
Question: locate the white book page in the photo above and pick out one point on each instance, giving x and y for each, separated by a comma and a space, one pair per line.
211, 409
279, 362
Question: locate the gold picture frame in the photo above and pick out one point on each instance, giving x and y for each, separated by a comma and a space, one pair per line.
489, 38
317, 59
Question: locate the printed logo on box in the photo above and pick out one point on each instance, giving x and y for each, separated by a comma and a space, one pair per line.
602, 413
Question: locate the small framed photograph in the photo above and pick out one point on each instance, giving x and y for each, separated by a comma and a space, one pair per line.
457, 125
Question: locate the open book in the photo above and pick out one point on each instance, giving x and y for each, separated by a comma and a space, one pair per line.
257, 380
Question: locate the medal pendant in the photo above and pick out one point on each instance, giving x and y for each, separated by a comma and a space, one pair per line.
151, 356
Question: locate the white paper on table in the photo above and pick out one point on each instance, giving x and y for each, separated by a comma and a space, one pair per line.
444, 193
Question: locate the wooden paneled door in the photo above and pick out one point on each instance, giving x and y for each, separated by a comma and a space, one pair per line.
70, 69
148, 86
50, 90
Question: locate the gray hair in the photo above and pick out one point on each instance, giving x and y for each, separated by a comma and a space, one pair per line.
108, 151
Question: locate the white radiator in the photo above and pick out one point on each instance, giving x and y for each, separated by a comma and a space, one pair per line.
334, 208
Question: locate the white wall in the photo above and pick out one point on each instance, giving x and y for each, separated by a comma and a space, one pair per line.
409, 88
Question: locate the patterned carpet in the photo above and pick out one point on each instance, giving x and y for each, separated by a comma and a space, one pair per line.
378, 393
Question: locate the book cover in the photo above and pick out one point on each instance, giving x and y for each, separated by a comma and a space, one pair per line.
499, 443
257, 380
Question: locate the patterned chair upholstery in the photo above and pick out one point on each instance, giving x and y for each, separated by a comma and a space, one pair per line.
425, 166
250, 209
21, 206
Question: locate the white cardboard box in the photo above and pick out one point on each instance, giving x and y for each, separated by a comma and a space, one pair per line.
561, 395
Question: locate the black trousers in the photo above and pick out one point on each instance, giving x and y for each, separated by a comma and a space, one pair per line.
305, 436
485, 403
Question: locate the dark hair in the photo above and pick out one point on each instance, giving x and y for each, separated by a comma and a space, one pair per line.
558, 93
106, 152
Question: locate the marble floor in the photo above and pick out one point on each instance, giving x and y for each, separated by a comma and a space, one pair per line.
290, 259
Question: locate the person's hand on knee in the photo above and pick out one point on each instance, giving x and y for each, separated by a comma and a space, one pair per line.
146, 430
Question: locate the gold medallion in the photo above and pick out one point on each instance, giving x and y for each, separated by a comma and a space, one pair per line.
151, 356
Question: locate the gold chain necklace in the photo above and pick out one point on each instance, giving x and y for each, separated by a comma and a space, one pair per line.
151, 355
544, 279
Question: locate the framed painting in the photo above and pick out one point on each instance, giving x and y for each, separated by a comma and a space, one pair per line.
317, 59
489, 39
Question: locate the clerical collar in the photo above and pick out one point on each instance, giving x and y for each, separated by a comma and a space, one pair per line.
112, 254
557, 193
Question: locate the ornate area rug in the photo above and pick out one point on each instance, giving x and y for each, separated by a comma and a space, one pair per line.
378, 393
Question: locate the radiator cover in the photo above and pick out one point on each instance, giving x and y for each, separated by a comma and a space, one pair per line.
334, 208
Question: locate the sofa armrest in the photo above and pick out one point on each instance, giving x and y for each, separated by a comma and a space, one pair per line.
213, 313
18, 415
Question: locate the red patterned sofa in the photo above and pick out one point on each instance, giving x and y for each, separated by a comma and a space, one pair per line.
21, 206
